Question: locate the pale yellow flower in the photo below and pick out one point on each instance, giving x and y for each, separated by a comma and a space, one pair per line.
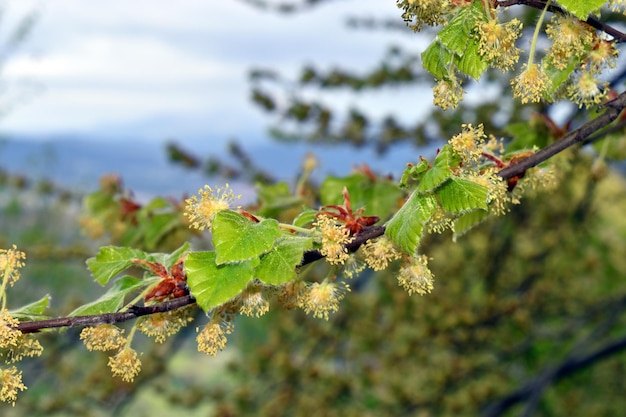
468, 144
448, 93
322, 299
531, 84
11, 260
27, 346
570, 39
162, 325
125, 364
10, 384
497, 42
103, 337
253, 302
379, 253
334, 239
200, 211
586, 90
415, 276
212, 338
9, 334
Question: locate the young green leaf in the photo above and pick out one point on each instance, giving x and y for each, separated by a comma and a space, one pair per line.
459, 195
471, 62
213, 284
467, 221
237, 239
458, 33
436, 59
169, 259
413, 172
581, 8
458, 36
113, 299
111, 260
377, 197
278, 265
406, 226
306, 217
32, 311
441, 169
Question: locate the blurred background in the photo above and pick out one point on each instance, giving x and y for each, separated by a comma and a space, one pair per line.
527, 316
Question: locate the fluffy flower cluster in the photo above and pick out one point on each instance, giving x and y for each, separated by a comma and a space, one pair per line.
321, 299
335, 237
497, 42
415, 276
212, 338
125, 364
468, 144
163, 325
103, 337
201, 209
424, 12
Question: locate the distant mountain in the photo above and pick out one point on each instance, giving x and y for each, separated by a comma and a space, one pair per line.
79, 161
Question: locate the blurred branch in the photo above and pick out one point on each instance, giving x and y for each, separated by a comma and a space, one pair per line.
284, 6
533, 389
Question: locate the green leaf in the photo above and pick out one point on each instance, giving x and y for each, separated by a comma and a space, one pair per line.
468, 221
458, 33
279, 264
414, 172
32, 311
581, 8
459, 195
436, 59
458, 36
113, 299
306, 217
406, 227
237, 239
169, 259
213, 284
471, 62
558, 77
377, 197
111, 260
441, 169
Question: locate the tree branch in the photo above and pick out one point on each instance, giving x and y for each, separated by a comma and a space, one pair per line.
613, 109
591, 20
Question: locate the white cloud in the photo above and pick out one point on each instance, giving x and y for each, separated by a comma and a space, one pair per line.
119, 62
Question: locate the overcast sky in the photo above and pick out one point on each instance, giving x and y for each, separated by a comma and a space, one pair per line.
176, 68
